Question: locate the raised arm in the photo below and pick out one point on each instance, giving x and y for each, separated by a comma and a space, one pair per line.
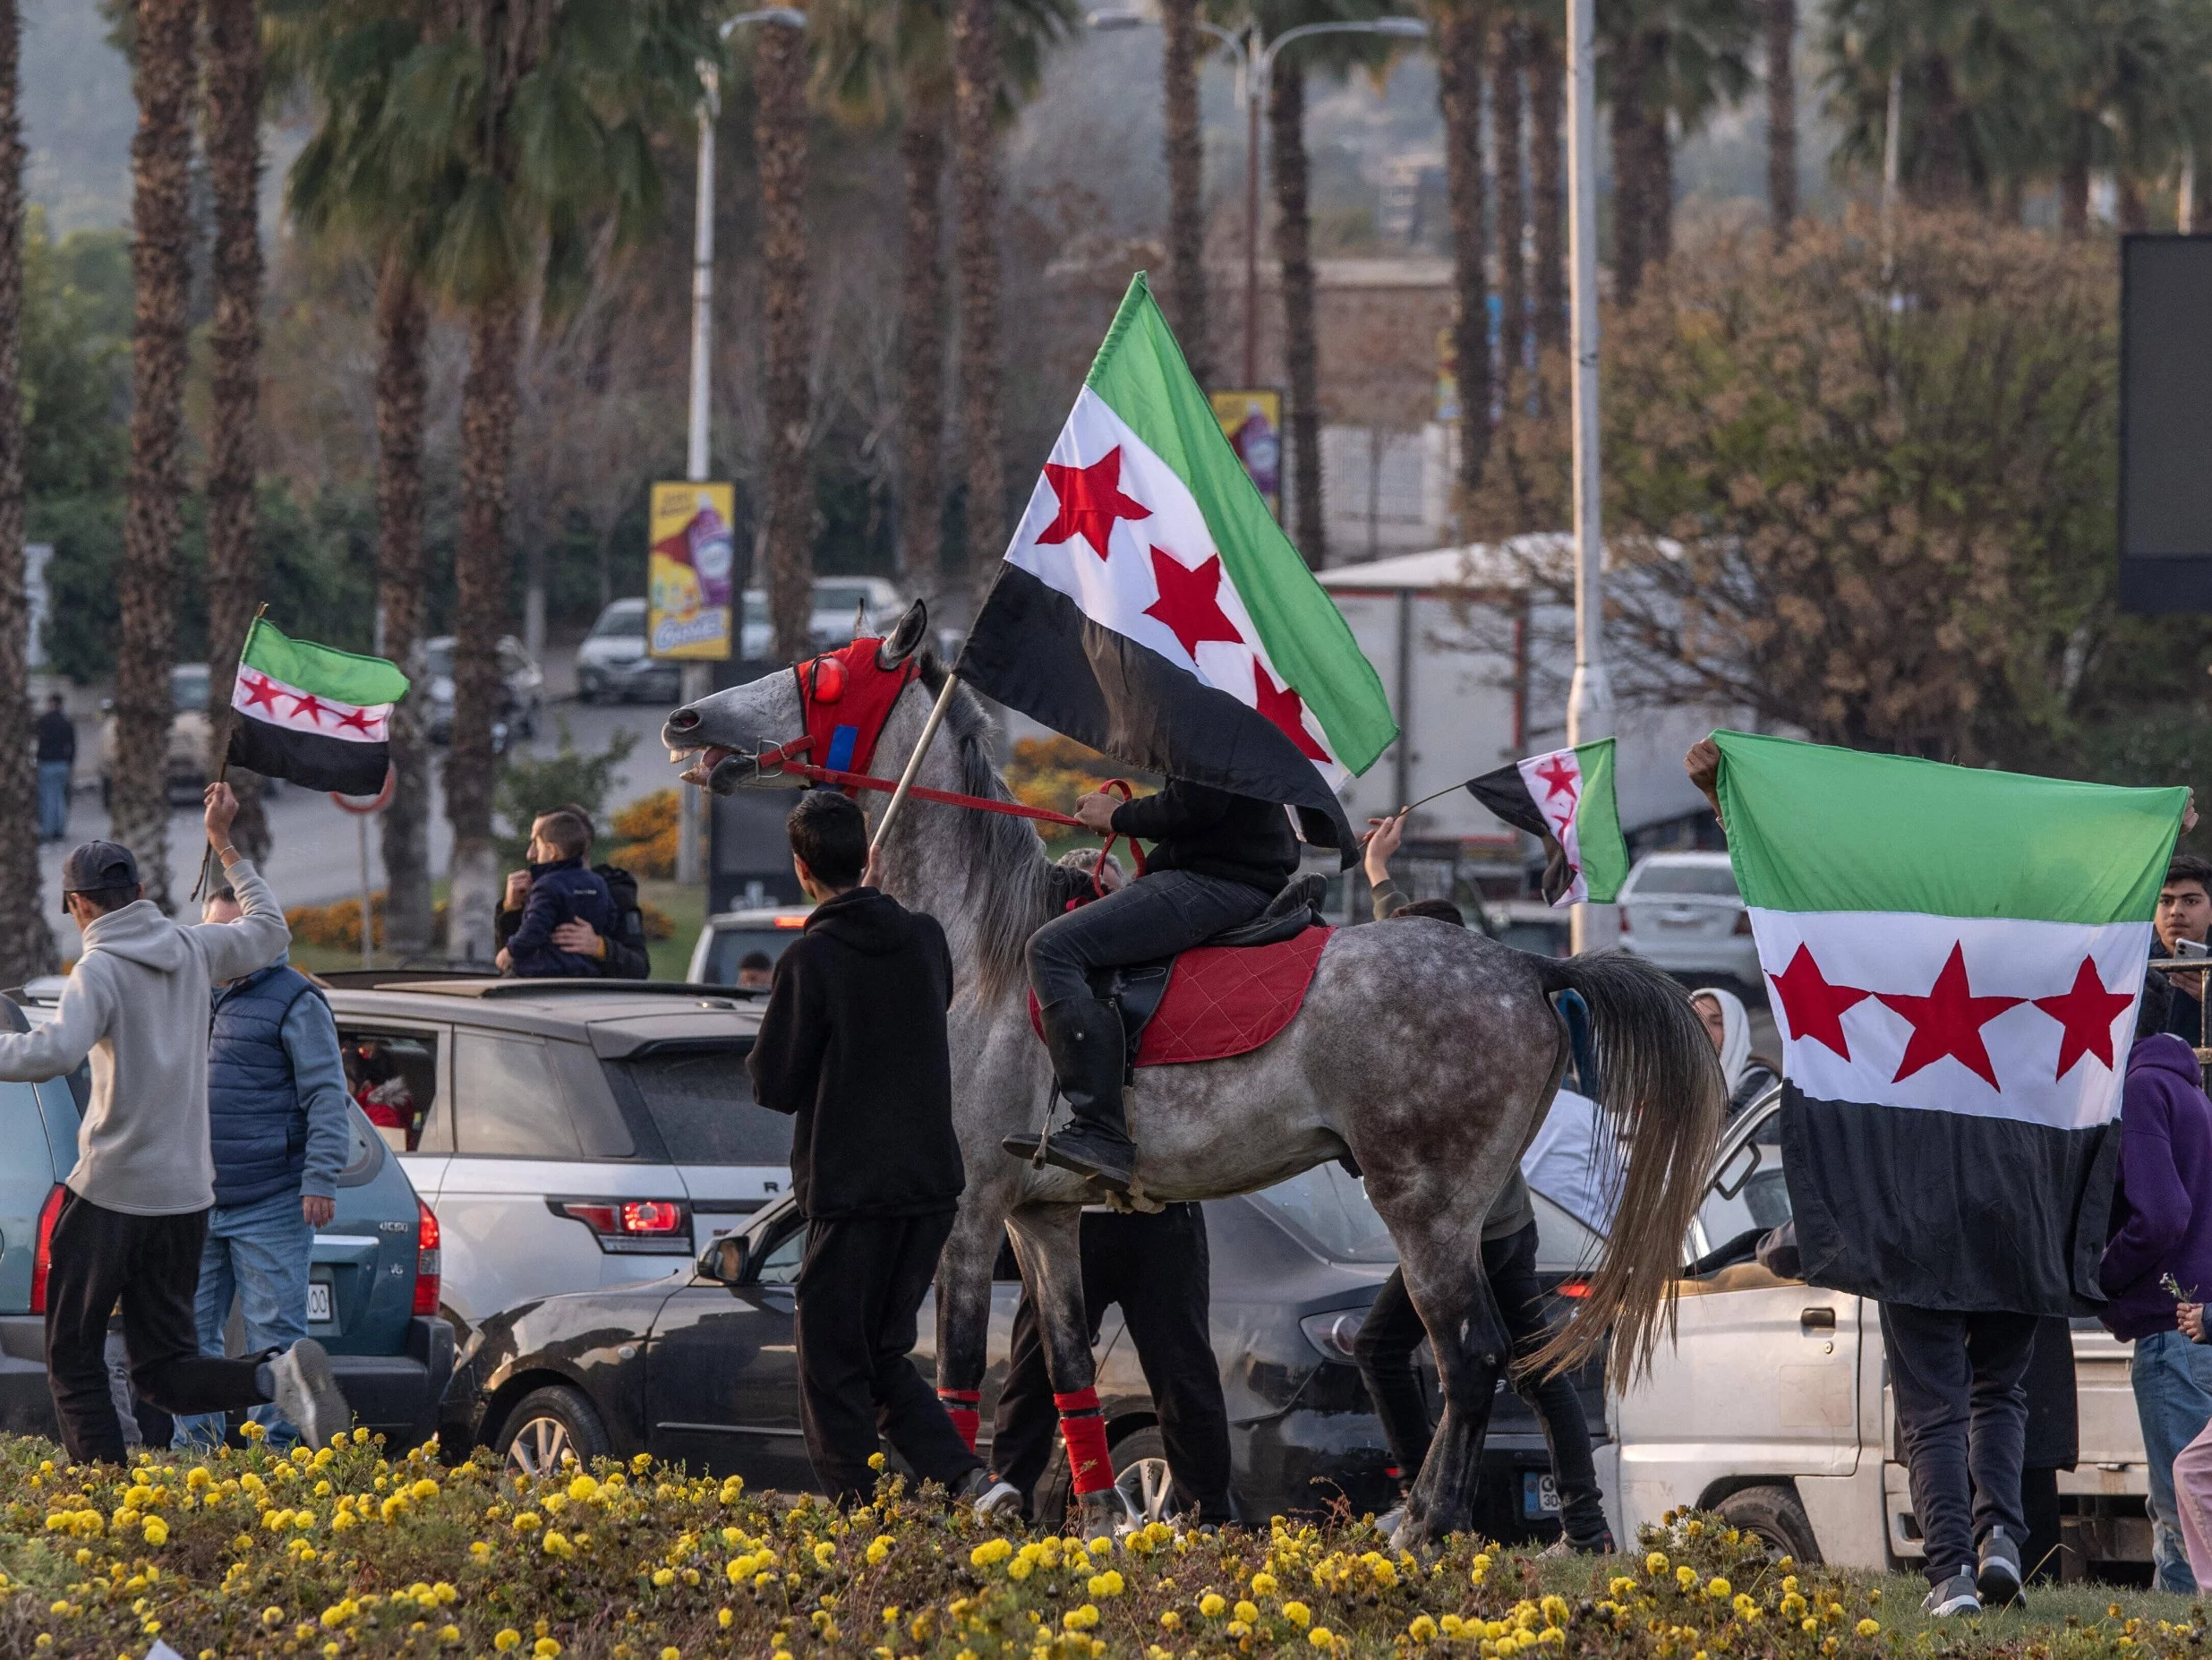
259, 937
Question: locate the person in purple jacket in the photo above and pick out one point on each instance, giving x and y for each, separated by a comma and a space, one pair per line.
2160, 1256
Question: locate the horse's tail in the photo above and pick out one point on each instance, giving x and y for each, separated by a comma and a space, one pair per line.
1660, 1086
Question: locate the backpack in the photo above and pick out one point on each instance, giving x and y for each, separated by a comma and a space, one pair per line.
629, 920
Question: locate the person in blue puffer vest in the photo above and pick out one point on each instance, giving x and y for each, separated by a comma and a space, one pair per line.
276, 1119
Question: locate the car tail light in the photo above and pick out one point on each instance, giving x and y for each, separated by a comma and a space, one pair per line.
631, 1225
790, 923
1334, 1332
429, 1260
1743, 922
42, 1261
1624, 919
1572, 1288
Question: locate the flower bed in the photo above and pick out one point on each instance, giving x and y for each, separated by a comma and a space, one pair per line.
344, 1552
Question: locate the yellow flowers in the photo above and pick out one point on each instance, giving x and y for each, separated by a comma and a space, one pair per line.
1868, 1627
1211, 1604
1322, 1637
528, 1521
1263, 1584
157, 1530
662, 1578
1247, 1611
1106, 1584
1298, 1614
825, 1553
1719, 1589
1655, 1563
582, 1489
545, 1648
875, 1460
1423, 1630
555, 1543
989, 1552
879, 1550
1686, 1577
1079, 1619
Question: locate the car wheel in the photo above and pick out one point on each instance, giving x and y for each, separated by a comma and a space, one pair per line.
1141, 1476
1775, 1516
546, 1426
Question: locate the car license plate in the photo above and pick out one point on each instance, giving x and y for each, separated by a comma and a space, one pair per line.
1540, 1495
319, 1305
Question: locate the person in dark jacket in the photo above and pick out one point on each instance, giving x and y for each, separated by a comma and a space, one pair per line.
853, 1045
56, 736
276, 1124
621, 954
1217, 860
561, 890
2162, 1238
2185, 921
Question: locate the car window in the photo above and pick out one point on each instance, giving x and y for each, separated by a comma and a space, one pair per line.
840, 599
1711, 880
188, 687
392, 1076
744, 956
509, 1101
779, 1267
1749, 1194
701, 1100
364, 1150
439, 656
1328, 1207
623, 621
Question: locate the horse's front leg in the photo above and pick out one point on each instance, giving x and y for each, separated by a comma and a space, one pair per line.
1048, 1242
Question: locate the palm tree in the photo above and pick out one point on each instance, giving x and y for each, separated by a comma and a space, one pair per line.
1186, 186
26, 941
1547, 69
779, 141
1509, 41
164, 70
1460, 28
975, 91
1780, 19
232, 132
921, 350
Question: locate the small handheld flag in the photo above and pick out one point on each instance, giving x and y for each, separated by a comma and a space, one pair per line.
1150, 607
1565, 796
319, 717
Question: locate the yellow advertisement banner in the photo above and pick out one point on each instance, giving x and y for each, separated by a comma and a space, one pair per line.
1252, 421
689, 602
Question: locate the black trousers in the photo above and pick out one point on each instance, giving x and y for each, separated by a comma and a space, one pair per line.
1153, 916
151, 1264
860, 1286
1963, 1413
1154, 1266
1384, 1351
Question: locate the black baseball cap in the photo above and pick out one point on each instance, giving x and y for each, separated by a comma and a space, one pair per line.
95, 865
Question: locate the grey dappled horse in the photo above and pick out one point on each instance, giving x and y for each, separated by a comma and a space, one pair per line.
1426, 1052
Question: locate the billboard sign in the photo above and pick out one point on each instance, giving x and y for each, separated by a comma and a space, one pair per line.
1252, 421
690, 571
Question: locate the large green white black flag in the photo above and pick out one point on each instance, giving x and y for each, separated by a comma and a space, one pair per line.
1955, 956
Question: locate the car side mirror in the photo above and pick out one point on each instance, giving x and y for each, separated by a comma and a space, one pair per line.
1741, 1164
724, 1261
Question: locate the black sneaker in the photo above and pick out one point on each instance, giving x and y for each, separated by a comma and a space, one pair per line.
1955, 1596
1998, 1581
307, 1393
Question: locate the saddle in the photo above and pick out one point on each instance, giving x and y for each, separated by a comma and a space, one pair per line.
1224, 996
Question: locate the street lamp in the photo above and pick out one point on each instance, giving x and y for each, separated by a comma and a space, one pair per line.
1255, 64
690, 862
1590, 695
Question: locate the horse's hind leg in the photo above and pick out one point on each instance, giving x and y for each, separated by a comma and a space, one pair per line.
1468, 1338
964, 1313
1048, 1244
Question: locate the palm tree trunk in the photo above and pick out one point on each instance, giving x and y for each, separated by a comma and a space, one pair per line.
1659, 158
232, 132
2073, 178
1781, 20
1294, 249
26, 941
1186, 187
1631, 181
975, 140
2134, 215
921, 355
402, 389
1546, 95
1505, 109
779, 141
161, 283
1461, 25
481, 562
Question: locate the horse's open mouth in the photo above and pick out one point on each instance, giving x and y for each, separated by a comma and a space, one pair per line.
721, 769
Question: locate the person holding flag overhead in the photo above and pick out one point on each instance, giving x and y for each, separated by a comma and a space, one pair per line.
318, 717
1149, 606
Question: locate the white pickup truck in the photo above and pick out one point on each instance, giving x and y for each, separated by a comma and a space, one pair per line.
1774, 1407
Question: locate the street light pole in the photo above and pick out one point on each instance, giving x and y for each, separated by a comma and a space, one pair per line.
1590, 696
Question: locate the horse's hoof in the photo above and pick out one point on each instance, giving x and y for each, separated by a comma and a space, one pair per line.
1098, 1514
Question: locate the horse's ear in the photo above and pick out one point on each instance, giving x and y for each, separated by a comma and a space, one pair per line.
906, 639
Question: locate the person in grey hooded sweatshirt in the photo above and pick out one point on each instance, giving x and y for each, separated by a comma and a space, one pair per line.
135, 1214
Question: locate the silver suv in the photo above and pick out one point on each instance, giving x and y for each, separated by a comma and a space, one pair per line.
567, 1134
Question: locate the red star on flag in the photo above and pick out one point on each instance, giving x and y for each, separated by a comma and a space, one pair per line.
1280, 704
2085, 1010
356, 720
260, 691
1948, 1021
1812, 1006
1091, 500
1559, 779
310, 705
1190, 602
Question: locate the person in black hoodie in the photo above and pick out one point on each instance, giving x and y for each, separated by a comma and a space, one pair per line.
1217, 860
853, 1045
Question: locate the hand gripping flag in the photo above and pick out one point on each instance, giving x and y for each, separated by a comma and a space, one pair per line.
319, 717
1150, 607
1955, 957
1566, 797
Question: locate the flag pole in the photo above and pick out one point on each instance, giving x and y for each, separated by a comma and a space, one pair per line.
222, 769
914, 762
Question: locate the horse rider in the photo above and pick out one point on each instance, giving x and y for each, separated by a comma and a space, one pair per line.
1217, 860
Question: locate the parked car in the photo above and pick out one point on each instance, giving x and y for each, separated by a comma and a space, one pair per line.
186, 773
522, 699
699, 1365
372, 1287
1682, 911
733, 944
1774, 1406
612, 665
839, 603
569, 1134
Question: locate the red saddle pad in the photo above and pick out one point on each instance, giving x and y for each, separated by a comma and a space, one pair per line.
1227, 1000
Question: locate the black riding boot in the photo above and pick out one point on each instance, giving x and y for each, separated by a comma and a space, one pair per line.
1083, 1036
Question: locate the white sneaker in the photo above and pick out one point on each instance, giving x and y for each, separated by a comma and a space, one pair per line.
307, 1393
1955, 1596
996, 1502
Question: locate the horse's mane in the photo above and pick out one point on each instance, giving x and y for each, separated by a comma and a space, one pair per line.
1004, 864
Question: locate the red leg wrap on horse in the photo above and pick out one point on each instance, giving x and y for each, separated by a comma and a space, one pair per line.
1084, 1432
960, 1407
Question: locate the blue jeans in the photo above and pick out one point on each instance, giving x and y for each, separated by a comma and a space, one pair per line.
2172, 1380
260, 1252
54, 800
